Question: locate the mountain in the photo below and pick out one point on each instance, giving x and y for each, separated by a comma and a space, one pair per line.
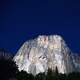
5, 54
76, 61
46, 52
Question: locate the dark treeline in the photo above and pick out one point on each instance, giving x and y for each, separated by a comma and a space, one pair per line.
9, 71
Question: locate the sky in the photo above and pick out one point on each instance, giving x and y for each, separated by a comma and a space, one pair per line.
21, 20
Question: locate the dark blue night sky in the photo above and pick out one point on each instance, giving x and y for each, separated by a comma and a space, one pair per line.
21, 20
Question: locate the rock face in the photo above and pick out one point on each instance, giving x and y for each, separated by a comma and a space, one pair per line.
44, 52
5, 55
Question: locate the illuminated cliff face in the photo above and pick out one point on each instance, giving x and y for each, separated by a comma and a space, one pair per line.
44, 52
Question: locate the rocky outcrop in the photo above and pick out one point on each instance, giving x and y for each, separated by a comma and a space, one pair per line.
44, 52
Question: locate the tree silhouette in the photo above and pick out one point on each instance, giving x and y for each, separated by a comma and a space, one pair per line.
56, 71
40, 76
22, 75
8, 69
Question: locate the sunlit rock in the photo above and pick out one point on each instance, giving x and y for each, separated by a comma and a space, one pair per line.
44, 52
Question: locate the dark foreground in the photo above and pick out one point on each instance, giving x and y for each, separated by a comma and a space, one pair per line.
9, 71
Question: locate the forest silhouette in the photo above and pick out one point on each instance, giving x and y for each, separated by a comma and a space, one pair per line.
9, 71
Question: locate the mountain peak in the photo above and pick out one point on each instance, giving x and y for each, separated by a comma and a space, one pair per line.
44, 52
51, 36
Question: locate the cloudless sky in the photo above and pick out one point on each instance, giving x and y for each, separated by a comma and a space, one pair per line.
21, 20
